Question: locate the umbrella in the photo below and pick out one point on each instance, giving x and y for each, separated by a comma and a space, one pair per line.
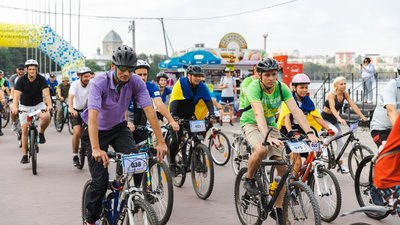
199, 57
172, 63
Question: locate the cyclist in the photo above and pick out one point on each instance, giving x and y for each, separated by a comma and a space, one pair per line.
330, 113
243, 88
20, 72
165, 91
190, 97
386, 111
264, 97
136, 114
4, 84
31, 88
77, 102
228, 94
62, 96
109, 96
53, 83
287, 123
2, 97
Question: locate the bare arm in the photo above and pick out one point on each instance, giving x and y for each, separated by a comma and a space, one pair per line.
287, 122
354, 106
46, 93
260, 119
392, 113
98, 154
164, 111
322, 122
14, 107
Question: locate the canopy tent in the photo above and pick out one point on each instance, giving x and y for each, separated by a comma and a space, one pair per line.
172, 63
199, 57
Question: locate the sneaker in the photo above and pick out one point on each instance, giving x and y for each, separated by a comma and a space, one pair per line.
1, 133
42, 139
14, 126
250, 186
24, 159
343, 169
75, 160
231, 123
220, 122
59, 126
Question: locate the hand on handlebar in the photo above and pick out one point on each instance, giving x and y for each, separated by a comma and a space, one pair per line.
342, 121
331, 132
162, 150
73, 112
131, 126
313, 138
14, 109
174, 125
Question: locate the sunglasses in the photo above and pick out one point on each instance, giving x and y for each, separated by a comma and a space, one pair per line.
142, 74
20, 68
126, 68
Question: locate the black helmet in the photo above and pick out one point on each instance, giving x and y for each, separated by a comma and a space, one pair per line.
160, 75
124, 56
267, 64
195, 70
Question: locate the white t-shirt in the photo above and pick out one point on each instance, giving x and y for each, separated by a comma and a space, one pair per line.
228, 91
80, 95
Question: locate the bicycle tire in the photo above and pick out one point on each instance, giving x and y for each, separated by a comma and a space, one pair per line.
162, 201
59, 127
202, 187
362, 186
142, 209
244, 202
81, 155
6, 115
33, 150
69, 124
356, 155
219, 154
299, 191
326, 193
180, 178
103, 220
237, 158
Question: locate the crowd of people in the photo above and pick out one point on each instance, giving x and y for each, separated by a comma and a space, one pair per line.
111, 104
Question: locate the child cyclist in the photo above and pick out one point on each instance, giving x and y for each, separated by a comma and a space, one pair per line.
286, 122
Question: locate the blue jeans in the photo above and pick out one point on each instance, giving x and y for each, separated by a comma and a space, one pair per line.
367, 88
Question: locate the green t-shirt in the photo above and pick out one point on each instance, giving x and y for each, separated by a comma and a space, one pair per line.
243, 87
270, 102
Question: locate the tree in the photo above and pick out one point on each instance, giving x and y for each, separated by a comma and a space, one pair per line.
93, 65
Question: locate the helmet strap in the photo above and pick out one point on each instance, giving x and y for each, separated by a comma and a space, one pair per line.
120, 82
263, 85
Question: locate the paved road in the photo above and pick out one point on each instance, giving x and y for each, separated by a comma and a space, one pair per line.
54, 195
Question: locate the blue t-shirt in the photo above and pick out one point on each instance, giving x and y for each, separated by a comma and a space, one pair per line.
153, 91
52, 86
167, 92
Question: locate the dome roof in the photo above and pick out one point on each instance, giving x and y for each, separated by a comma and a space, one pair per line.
112, 36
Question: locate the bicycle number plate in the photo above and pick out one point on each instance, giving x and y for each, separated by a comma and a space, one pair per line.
134, 163
315, 147
197, 126
298, 147
353, 126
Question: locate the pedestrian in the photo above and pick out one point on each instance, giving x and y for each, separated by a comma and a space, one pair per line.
367, 75
228, 94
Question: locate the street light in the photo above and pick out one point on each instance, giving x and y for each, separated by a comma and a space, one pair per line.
265, 41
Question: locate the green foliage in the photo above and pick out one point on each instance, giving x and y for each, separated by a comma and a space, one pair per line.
93, 65
154, 60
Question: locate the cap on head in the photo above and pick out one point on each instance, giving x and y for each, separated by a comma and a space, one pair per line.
227, 69
21, 66
124, 56
142, 64
52, 75
65, 78
195, 70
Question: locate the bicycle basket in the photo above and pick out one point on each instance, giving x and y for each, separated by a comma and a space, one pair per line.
134, 163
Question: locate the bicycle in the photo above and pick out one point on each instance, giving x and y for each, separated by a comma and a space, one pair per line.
82, 151
5, 112
123, 202
33, 137
219, 145
157, 187
322, 182
194, 157
241, 151
357, 153
298, 200
65, 118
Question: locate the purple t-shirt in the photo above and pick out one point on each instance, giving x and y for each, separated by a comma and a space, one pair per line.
112, 106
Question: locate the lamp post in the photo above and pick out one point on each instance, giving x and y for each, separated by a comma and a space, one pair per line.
265, 41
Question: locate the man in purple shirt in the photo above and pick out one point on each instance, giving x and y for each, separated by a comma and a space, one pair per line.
109, 97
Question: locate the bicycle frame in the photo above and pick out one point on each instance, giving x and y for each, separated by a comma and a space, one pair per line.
331, 156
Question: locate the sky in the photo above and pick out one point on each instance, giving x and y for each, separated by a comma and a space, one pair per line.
314, 27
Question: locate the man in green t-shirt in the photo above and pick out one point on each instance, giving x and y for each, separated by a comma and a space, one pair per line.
243, 88
263, 99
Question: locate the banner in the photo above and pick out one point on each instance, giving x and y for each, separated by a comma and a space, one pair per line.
20, 35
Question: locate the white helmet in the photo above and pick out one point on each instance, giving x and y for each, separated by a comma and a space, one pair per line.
31, 62
84, 70
142, 64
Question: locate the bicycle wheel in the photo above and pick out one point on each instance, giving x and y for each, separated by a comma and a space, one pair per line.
220, 148
180, 178
202, 170
363, 184
69, 124
356, 155
327, 191
239, 154
248, 208
159, 191
58, 122
6, 115
103, 220
300, 205
81, 155
33, 151
141, 214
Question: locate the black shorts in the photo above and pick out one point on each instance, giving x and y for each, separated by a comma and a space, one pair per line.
77, 120
227, 100
379, 136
